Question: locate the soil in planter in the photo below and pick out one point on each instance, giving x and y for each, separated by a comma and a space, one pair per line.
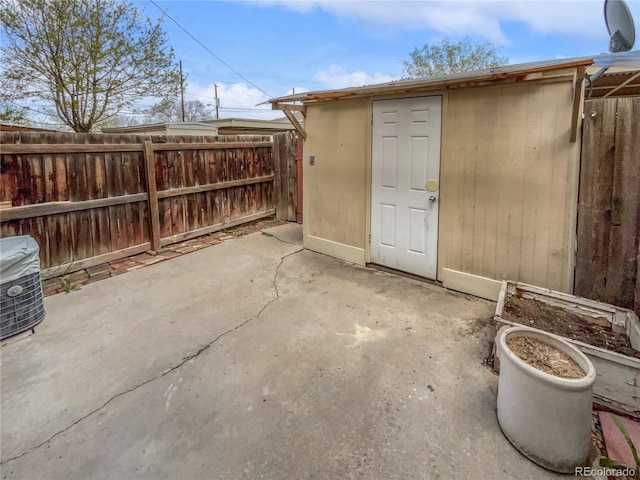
545, 357
542, 316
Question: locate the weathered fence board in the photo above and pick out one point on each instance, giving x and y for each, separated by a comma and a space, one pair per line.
299, 152
87, 199
607, 257
285, 150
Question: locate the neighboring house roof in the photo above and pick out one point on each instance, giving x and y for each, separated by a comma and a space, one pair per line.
7, 127
250, 126
299, 116
154, 127
224, 126
520, 72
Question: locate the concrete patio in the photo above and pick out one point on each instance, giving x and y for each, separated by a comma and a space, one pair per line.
256, 359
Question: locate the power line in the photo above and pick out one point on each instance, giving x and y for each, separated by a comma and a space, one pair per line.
187, 94
48, 114
245, 115
226, 109
45, 124
240, 109
164, 12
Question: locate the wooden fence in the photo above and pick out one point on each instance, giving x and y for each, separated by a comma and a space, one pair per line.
287, 152
89, 199
608, 249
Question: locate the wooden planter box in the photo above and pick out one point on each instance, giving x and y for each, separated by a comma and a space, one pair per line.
617, 376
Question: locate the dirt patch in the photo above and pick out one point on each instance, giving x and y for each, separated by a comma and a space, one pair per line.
545, 357
480, 325
73, 281
252, 227
533, 313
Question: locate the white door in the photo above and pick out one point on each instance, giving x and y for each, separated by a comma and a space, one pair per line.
405, 190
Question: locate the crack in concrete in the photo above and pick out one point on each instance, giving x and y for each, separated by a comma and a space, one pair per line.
267, 234
237, 327
171, 369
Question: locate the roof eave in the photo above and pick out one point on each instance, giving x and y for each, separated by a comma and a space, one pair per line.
450, 81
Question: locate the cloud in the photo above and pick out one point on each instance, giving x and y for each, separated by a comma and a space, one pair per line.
236, 100
337, 77
484, 19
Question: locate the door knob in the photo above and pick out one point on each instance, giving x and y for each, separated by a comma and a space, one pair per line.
432, 198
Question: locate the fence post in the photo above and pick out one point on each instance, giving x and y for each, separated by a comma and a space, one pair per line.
280, 184
152, 191
299, 145
292, 176
285, 170
637, 294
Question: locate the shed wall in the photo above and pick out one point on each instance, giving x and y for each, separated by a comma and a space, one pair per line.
335, 187
509, 179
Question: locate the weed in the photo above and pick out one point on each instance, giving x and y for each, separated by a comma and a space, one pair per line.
64, 280
66, 285
607, 462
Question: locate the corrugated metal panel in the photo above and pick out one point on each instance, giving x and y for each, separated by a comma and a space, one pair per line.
617, 84
516, 72
476, 76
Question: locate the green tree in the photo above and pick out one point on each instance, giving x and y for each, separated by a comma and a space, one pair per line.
171, 111
88, 58
447, 57
12, 115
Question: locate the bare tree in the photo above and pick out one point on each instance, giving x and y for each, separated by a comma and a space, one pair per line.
447, 57
171, 111
88, 59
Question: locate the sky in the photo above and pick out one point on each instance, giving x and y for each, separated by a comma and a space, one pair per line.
260, 49
316, 45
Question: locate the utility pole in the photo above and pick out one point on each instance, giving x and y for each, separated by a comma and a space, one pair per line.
217, 101
181, 91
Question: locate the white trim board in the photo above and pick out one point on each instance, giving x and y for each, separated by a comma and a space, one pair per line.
335, 249
472, 284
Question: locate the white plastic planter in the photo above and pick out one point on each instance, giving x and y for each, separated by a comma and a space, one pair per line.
547, 418
617, 375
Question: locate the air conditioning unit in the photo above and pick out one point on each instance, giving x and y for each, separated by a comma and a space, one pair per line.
21, 299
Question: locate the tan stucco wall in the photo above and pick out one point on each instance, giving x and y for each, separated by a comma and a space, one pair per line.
509, 179
335, 188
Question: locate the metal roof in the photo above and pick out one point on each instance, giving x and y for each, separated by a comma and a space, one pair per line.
155, 126
517, 72
9, 127
223, 126
615, 84
237, 126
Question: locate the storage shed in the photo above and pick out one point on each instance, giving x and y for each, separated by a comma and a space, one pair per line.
466, 179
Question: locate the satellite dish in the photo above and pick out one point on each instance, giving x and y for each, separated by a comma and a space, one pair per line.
620, 25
